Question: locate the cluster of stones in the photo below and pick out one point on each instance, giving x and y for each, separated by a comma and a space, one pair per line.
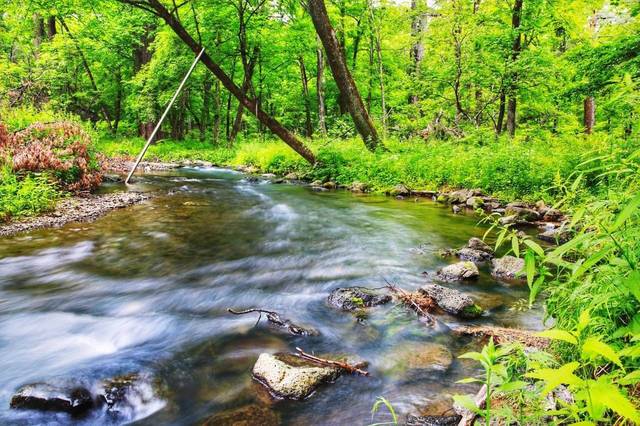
116, 394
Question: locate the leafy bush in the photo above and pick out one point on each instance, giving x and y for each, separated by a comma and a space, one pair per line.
60, 149
23, 197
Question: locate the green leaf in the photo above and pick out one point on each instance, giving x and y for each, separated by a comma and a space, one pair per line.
467, 402
631, 378
535, 247
632, 283
593, 347
530, 266
556, 376
591, 261
627, 212
535, 289
515, 245
555, 334
583, 320
610, 395
512, 386
469, 380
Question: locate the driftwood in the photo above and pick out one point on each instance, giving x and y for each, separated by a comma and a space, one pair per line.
276, 319
420, 303
352, 369
502, 335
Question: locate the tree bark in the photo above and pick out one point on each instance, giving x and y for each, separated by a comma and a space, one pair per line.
589, 114
206, 106
417, 49
142, 56
271, 123
341, 74
322, 122
501, 108
249, 66
305, 95
51, 27
515, 52
38, 32
217, 102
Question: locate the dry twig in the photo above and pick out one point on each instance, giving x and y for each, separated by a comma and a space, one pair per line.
420, 303
275, 318
352, 369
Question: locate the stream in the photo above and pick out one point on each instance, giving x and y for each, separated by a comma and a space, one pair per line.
146, 290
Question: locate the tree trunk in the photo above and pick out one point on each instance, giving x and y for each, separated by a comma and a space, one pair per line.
51, 27
217, 102
341, 74
249, 66
383, 101
501, 109
271, 123
322, 122
85, 63
206, 106
117, 108
515, 52
142, 56
305, 95
417, 49
589, 114
38, 32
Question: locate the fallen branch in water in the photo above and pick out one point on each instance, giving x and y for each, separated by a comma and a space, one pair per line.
352, 369
420, 303
275, 318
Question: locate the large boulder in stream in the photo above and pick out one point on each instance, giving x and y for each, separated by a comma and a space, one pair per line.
507, 268
355, 298
68, 398
291, 377
452, 301
458, 272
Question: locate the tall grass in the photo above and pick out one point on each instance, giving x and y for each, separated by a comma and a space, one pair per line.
24, 197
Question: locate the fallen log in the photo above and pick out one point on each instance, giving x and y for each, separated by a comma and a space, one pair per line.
352, 369
276, 319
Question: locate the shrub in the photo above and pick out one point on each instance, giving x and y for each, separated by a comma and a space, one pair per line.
59, 149
23, 197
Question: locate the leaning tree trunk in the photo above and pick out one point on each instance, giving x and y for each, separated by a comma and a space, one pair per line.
515, 52
322, 121
341, 74
270, 122
589, 114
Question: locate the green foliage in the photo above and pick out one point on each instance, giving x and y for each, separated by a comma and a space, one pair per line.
380, 402
24, 196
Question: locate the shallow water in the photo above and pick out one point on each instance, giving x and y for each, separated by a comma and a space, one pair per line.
145, 289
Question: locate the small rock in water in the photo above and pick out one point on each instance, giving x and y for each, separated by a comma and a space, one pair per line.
290, 377
410, 360
355, 298
291, 176
268, 175
477, 244
452, 301
43, 396
249, 415
329, 185
401, 190
358, 187
433, 420
458, 272
456, 209
472, 255
507, 267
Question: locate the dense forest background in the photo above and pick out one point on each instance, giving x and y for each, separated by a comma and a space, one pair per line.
529, 69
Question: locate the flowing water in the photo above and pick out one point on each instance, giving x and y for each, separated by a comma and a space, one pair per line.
145, 290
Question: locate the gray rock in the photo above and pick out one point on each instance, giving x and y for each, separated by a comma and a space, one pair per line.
507, 267
355, 298
477, 244
249, 415
409, 359
329, 185
47, 397
555, 236
460, 197
423, 193
472, 255
552, 215
522, 213
452, 301
433, 420
508, 220
475, 202
456, 209
458, 272
287, 380
358, 187
292, 176
316, 183
268, 175
401, 190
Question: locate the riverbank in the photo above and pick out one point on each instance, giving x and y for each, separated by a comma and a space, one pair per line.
84, 208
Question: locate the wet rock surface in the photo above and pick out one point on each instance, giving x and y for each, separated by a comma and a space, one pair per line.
452, 301
290, 377
413, 420
71, 399
411, 360
249, 415
458, 272
124, 395
354, 298
507, 267
75, 209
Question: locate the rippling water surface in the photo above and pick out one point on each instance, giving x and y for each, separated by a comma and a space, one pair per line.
145, 290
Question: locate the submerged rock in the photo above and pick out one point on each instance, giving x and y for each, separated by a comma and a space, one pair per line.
47, 397
433, 420
507, 267
127, 394
452, 301
293, 379
249, 415
458, 272
410, 360
354, 298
